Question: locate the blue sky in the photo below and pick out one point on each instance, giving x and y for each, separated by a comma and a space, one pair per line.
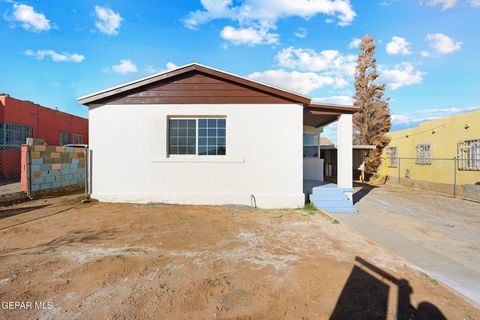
427, 50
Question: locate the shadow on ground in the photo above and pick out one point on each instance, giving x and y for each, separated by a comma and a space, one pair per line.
362, 192
13, 212
366, 294
72, 237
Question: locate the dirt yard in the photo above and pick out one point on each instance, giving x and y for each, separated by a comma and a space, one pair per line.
98, 261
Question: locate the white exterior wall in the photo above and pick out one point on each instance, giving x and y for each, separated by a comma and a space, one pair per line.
344, 151
264, 156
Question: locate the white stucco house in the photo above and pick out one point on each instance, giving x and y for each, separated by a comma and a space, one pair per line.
198, 135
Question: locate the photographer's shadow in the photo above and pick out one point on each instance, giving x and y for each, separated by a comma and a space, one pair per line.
365, 296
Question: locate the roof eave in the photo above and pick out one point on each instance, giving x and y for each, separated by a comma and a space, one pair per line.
187, 68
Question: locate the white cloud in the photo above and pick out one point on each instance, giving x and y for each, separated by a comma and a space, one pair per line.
301, 82
342, 100
125, 66
269, 11
56, 57
446, 4
302, 32
398, 45
330, 62
29, 18
401, 75
428, 114
475, 3
264, 14
249, 36
355, 43
425, 54
168, 66
443, 44
108, 21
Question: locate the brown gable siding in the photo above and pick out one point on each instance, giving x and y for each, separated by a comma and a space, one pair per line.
195, 88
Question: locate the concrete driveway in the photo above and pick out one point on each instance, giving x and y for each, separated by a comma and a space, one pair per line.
441, 235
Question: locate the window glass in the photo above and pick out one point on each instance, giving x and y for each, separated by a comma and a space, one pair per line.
205, 136
310, 139
14, 134
424, 154
182, 136
468, 154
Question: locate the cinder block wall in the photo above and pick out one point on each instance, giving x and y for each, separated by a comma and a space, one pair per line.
53, 167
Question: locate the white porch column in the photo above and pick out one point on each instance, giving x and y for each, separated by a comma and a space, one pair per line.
344, 151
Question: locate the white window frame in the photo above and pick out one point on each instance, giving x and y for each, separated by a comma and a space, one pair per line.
468, 155
196, 118
423, 154
393, 158
313, 145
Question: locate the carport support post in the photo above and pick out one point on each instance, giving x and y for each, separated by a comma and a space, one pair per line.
344, 151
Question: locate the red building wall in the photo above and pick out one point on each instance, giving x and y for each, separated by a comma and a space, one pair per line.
46, 123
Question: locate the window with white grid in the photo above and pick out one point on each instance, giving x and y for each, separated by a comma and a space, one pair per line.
468, 154
197, 136
392, 153
424, 154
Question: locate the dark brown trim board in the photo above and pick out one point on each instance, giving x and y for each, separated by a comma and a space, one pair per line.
171, 76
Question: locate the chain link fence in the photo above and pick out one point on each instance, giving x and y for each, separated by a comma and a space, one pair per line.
459, 177
10, 170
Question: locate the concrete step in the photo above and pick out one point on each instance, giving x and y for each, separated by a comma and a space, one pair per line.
327, 197
342, 209
332, 204
330, 189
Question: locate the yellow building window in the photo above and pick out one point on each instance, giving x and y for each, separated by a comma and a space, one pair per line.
468, 154
424, 154
392, 153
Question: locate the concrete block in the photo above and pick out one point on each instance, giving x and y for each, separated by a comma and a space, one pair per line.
65, 183
55, 155
35, 167
35, 187
60, 149
61, 178
50, 179
69, 149
35, 141
37, 161
68, 177
39, 148
45, 173
36, 174
35, 154
45, 186
65, 166
66, 171
56, 184
75, 160
38, 181
45, 167
56, 166
74, 166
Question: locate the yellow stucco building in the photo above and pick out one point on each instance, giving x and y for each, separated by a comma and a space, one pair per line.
424, 156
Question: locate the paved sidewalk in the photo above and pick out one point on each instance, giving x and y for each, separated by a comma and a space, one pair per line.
441, 235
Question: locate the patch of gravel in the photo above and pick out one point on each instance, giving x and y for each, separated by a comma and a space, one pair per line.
100, 252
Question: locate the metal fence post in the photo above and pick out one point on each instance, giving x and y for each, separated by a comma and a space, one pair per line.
399, 161
87, 163
454, 177
28, 170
